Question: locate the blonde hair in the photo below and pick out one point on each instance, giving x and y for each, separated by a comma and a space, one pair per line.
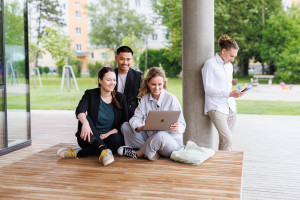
225, 42
153, 72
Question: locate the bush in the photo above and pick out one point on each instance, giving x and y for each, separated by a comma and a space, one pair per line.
20, 67
40, 70
46, 70
94, 68
160, 57
60, 65
76, 65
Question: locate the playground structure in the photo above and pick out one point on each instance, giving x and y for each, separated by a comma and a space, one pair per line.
67, 69
13, 73
36, 71
286, 88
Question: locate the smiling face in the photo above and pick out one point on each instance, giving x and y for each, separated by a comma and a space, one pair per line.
228, 55
155, 85
124, 60
108, 82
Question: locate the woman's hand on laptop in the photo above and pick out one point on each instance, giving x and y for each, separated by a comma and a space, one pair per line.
174, 126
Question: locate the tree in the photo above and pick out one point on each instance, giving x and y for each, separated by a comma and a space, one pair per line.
136, 44
58, 44
33, 49
169, 12
160, 57
280, 45
244, 21
48, 13
14, 23
113, 20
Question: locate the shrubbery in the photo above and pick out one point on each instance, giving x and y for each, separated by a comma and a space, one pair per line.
160, 57
76, 65
40, 70
94, 68
46, 70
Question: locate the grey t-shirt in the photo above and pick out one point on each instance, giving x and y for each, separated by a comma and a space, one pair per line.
121, 82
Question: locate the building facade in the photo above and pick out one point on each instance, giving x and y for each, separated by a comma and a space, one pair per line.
77, 25
75, 15
14, 77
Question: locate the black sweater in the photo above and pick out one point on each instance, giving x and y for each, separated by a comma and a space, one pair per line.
90, 102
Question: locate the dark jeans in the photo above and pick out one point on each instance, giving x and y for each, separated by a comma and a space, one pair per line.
112, 142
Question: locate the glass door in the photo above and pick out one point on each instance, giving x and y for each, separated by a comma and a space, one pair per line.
17, 79
2, 86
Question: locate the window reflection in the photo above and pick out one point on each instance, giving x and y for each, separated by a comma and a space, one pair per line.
16, 83
2, 108
2, 119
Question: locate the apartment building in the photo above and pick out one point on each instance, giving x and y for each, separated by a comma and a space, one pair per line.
77, 26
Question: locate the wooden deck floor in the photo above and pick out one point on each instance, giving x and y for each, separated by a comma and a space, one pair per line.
270, 144
45, 176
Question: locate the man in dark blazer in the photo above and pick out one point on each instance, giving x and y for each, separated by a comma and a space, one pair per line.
128, 80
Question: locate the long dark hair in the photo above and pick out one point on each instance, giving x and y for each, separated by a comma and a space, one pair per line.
101, 74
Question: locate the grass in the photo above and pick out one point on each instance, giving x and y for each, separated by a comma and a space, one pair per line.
50, 97
268, 107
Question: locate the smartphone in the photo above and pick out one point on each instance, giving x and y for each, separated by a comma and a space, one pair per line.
246, 89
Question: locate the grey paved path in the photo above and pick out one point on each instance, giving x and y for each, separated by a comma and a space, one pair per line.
272, 93
271, 156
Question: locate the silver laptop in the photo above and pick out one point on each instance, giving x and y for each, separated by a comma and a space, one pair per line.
160, 120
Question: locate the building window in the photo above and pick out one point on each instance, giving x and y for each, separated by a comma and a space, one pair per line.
78, 31
77, 3
78, 14
92, 55
78, 47
154, 36
64, 6
138, 3
103, 55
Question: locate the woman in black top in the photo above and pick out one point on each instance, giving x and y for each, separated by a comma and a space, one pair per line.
100, 112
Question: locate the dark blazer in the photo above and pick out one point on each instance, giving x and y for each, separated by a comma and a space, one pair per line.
90, 102
131, 90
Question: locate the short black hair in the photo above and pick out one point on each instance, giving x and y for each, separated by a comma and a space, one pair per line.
124, 49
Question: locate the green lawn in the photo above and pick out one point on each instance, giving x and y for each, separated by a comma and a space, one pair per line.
268, 107
50, 97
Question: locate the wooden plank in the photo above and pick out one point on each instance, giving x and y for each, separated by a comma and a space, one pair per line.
45, 176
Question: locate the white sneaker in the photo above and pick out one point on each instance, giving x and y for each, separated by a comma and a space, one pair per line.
106, 157
68, 152
127, 151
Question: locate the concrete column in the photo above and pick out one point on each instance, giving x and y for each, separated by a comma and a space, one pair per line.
197, 47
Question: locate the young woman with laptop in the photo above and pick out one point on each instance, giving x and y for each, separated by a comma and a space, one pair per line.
153, 143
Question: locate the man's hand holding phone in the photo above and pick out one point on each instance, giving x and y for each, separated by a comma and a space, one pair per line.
246, 89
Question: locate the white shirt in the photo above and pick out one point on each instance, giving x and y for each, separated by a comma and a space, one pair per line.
217, 81
166, 101
121, 82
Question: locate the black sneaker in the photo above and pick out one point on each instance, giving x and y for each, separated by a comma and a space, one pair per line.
127, 151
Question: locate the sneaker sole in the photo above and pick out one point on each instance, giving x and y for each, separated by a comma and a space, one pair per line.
59, 151
121, 154
109, 162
